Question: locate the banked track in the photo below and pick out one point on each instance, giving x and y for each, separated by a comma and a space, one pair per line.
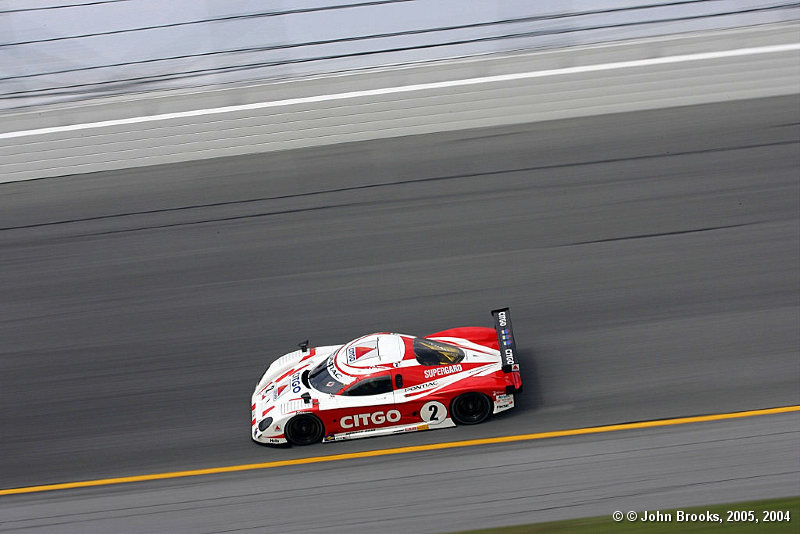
651, 261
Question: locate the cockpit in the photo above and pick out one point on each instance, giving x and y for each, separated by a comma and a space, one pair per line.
356, 359
429, 352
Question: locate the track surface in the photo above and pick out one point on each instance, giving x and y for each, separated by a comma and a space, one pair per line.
436, 492
651, 260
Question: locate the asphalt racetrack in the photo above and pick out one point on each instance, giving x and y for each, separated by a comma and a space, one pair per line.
651, 261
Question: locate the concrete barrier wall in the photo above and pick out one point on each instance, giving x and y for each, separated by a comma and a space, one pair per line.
90, 50
152, 129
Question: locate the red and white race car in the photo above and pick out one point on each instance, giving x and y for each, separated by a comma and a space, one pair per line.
387, 383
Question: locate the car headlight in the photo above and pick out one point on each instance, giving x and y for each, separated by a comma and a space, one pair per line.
264, 424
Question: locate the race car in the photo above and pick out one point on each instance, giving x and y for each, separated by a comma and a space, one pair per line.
387, 383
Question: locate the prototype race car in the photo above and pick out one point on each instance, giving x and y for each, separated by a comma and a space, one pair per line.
387, 383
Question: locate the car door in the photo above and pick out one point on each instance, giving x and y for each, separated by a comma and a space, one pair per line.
417, 398
368, 403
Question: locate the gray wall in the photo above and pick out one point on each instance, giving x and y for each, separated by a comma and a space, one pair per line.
181, 126
275, 40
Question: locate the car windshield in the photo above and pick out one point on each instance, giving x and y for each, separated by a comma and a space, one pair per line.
323, 377
430, 352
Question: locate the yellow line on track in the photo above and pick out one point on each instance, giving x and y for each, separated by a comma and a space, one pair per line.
402, 450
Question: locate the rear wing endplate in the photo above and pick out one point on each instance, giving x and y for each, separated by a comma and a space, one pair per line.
505, 339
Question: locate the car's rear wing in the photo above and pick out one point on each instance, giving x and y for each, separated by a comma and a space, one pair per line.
505, 339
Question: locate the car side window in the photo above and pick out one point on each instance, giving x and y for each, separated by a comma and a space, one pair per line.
370, 386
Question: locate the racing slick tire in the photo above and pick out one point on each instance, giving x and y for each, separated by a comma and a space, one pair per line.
470, 408
304, 429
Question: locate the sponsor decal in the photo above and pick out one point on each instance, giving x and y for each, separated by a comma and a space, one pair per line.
515, 367
354, 353
442, 371
420, 387
509, 354
503, 402
505, 336
334, 372
501, 319
365, 419
295, 383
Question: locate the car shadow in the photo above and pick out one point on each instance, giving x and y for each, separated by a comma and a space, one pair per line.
530, 398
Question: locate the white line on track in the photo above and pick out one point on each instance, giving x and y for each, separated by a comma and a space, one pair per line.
412, 88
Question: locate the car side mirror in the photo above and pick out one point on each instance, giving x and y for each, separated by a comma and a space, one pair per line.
398, 381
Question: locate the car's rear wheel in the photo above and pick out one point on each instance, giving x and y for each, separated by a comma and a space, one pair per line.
304, 429
471, 408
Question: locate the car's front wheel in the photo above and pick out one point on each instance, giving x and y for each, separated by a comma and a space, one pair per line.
471, 408
304, 429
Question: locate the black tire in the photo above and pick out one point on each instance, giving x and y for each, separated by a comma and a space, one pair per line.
304, 429
470, 408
